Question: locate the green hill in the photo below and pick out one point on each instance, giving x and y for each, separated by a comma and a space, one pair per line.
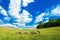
45, 34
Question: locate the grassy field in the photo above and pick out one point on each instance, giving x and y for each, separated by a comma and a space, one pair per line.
45, 34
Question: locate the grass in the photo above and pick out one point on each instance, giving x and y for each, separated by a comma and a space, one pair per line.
45, 34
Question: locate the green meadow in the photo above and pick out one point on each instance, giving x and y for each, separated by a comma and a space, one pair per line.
52, 33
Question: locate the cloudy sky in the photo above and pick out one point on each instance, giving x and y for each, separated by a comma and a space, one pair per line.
28, 13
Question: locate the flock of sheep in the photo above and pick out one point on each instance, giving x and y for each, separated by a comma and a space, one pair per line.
33, 32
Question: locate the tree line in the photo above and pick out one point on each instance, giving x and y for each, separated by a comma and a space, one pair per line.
50, 23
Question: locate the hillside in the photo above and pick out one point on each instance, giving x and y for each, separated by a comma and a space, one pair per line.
45, 34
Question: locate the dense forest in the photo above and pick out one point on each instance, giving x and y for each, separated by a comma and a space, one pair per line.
50, 23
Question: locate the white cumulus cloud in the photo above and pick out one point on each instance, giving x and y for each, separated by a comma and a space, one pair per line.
56, 11
14, 8
26, 16
25, 2
3, 12
21, 18
8, 25
40, 17
7, 18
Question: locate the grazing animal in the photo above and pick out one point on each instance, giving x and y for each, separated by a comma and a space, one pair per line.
20, 32
38, 31
33, 32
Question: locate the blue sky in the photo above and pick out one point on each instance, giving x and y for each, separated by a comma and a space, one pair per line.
28, 13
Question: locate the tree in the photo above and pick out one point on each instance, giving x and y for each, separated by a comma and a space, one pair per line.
50, 23
40, 25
